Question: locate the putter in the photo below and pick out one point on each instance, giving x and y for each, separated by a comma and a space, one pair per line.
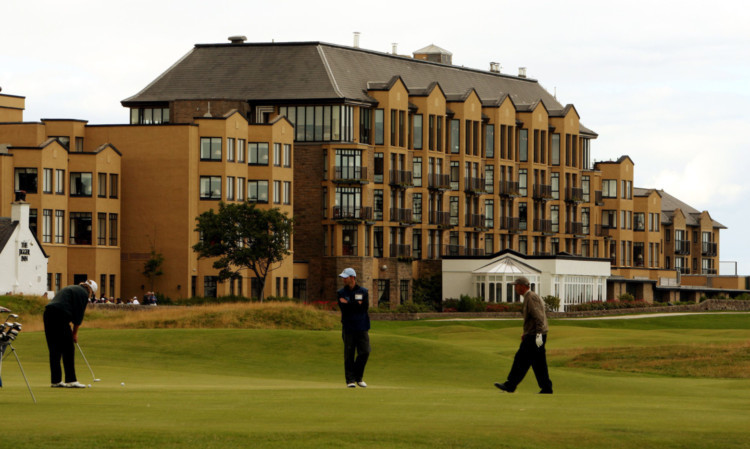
87, 363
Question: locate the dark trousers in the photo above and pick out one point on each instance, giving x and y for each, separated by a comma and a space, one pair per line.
355, 342
529, 356
60, 344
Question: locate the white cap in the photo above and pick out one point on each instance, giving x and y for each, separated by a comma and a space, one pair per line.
92, 285
348, 272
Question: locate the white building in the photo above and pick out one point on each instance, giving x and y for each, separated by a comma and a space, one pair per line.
22, 258
573, 279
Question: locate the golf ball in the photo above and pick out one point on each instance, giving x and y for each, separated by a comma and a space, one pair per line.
89, 385
122, 383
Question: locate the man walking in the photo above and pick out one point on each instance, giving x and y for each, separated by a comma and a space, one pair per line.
532, 352
68, 306
355, 322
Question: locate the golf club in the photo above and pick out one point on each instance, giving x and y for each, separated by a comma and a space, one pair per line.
87, 363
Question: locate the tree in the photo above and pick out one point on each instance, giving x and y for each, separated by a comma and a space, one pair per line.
243, 236
152, 267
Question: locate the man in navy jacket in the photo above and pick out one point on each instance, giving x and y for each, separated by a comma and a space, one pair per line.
355, 322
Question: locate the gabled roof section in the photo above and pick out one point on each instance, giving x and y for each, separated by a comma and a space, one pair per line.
314, 71
7, 227
105, 146
507, 265
670, 203
417, 92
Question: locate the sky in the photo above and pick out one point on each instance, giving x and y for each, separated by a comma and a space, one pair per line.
664, 82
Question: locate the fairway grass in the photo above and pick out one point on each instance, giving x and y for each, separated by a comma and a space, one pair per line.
430, 387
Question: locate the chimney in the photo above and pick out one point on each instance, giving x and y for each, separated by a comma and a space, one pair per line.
236, 40
394, 48
19, 210
495, 67
356, 39
522, 72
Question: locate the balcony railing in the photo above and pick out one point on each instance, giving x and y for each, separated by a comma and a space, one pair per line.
708, 271
346, 173
544, 226
401, 215
475, 221
455, 250
401, 178
512, 224
574, 194
352, 213
542, 192
682, 247
438, 182
401, 251
598, 198
473, 185
508, 188
440, 218
574, 227
683, 270
708, 249
474, 251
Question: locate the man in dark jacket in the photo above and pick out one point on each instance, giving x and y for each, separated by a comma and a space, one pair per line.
68, 306
355, 322
532, 352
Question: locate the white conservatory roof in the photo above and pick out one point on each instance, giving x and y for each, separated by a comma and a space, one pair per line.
507, 265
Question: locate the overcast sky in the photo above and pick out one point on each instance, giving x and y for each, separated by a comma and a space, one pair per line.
664, 82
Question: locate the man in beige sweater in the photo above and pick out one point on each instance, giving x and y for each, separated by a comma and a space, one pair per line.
532, 352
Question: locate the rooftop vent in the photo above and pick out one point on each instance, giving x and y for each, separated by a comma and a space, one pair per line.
522, 72
356, 39
394, 48
237, 39
495, 67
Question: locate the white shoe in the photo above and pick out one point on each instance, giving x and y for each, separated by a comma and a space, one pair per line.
362, 384
75, 384
351, 385
58, 385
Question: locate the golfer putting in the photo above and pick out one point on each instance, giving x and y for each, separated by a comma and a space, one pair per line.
68, 306
355, 322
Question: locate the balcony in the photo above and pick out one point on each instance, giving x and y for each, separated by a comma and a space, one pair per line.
346, 174
574, 195
708, 271
682, 247
511, 224
475, 221
401, 215
542, 192
598, 198
455, 250
574, 227
438, 182
543, 226
352, 213
442, 219
474, 252
473, 185
508, 188
603, 231
400, 178
400, 251
683, 270
708, 249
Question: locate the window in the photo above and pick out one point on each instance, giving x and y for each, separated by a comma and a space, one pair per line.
377, 200
347, 164
59, 226
299, 289
33, 221
365, 125
639, 221
455, 131
417, 208
47, 226
210, 148
401, 128
240, 189
287, 196
404, 290
523, 182
417, 131
555, 183
349, 241
555, 149
379, 127
60, 182
586, 187
277, 192
609, 219
489, 244
453, 209
609, 188
439, 133
585, 220
347, 202
257, 153
81, 184
113, 185
64, 141
257, 191
455, 174
26, 180
378, 168
627, 189
321, 123
47, 181
384, 291
112, 229
101, 229
489, 141
489, 178
209, 286
555, 218
522, 217
277, 155
489, 214
230, 149
287, 155
523, 145
80, 228
230, 188
393, 127
149, 116
377, 241
240, 150
210, 187
101, 185
417, 172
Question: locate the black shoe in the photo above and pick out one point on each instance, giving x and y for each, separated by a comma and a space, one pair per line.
504, 387
545, 392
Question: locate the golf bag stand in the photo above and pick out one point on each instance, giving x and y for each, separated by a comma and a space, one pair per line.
3, 346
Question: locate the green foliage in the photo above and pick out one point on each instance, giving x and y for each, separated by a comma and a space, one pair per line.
743, 297
610, 305
24, 305
465, 303
152, 267
626, 297
551, 303
428, 292
243, 236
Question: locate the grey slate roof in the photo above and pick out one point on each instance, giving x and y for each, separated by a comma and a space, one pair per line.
668, 205
315, 71
6, 230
